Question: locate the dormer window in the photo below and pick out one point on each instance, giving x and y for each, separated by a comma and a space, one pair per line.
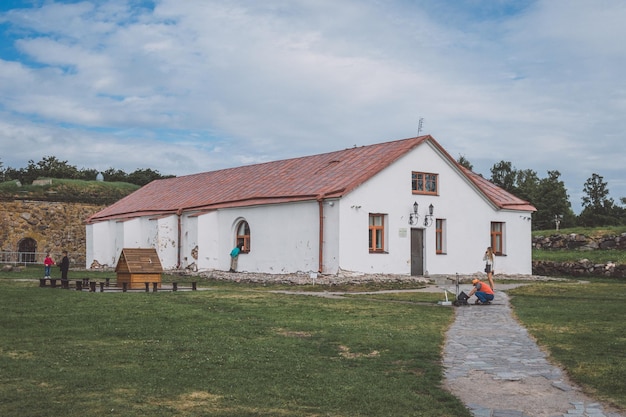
424, 183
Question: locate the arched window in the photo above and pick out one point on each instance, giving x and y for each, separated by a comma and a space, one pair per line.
243, 235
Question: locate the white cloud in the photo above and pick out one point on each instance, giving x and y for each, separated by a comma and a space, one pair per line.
199, 85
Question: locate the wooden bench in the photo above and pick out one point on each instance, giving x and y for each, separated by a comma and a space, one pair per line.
85, 283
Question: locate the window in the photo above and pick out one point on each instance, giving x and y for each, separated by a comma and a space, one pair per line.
497, 238
440, 238
377, 233
424, 183
243, 235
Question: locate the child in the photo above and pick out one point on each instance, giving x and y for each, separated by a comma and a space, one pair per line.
47, 263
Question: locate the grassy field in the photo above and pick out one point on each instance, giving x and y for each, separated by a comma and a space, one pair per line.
241, 350
587, 231
232, 350
564, 255
583, 327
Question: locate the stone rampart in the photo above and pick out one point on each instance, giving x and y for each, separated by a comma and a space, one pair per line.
50, 226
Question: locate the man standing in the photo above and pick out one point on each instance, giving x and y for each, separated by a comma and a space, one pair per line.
234, 257
65, 266
484, 293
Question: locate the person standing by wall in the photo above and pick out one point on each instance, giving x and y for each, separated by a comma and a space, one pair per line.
234, 257
47, 264
489, 259
64, 266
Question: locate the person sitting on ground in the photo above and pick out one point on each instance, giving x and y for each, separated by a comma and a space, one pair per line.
483, 292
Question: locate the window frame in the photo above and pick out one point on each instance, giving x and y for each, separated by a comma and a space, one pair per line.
243, 237
373, 235
427, 178
440, 236
496, 237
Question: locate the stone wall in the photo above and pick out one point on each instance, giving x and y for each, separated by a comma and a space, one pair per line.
53, 226
583, 267
579, 242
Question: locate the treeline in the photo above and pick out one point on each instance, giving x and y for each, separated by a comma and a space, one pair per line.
51, 167
550, 197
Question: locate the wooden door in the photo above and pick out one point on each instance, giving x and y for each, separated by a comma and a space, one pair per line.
417, 252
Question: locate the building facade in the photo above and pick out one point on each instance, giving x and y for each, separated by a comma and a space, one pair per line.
400, 207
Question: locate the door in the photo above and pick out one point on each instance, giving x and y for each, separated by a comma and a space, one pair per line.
417, 252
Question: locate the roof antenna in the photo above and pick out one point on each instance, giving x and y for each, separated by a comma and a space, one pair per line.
419, 126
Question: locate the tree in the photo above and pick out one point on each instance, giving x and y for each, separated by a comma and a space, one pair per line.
526, 184
464, 162
552, 202
144, 176
598, 208
596, 193
504, 175
115, 175
50, 167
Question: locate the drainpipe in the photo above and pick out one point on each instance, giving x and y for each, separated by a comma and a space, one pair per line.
320, 203
179, 213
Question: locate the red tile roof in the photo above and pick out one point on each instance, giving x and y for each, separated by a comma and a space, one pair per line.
503, 199
326, 175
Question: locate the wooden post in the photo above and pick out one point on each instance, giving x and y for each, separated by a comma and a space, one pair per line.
147, 286
53, 283
65, 284
174, 286
92, 286
108, 279
79, 285
101, 286
124, 286
154, 286
193, 286
42, 282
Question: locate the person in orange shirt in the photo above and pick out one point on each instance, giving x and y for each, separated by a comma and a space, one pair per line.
483, 292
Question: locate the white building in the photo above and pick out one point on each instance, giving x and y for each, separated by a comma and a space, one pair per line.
401, 207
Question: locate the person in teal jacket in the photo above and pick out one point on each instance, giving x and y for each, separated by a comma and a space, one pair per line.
234, 257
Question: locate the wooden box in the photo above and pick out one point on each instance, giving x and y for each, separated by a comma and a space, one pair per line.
138, 266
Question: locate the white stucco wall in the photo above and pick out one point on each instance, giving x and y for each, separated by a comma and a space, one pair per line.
189, 241
283, 238
100, 244
467, 215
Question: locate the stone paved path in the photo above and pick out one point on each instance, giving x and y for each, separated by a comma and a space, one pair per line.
497, 370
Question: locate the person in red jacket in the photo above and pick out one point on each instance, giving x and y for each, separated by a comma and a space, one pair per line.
47, 263
484, 293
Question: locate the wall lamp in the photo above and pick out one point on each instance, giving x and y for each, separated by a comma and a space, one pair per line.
414, 216
428, 219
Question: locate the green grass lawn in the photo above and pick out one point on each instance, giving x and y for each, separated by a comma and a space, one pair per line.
563, 255
584, 328
241, 350
232, 350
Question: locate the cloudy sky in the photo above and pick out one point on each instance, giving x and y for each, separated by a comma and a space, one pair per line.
197, 85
